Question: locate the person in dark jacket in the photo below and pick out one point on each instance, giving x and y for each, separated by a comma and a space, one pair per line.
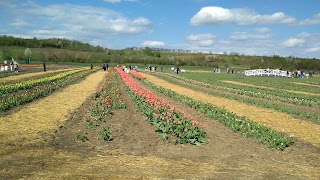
44, 67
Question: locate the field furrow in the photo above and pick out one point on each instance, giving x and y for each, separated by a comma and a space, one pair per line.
281, 122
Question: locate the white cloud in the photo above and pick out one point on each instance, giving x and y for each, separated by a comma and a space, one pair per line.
263, 30
201, 40
218, 15
304, 35
19, 23
224, 42
149, 43
247, 36
41, 33
75, 21
311, 21
118, 1
113, 1
293, 42
313, 49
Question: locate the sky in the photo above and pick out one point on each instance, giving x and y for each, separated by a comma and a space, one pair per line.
250, 27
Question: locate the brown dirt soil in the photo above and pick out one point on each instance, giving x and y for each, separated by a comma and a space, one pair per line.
245, 84
281, 122
49, 150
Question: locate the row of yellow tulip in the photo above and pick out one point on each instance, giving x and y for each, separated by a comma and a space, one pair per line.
35, 82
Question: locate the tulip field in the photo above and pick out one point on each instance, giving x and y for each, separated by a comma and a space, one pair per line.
78, 123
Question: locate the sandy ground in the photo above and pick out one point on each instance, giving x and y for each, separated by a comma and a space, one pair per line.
251, 85
281, 122
306, 84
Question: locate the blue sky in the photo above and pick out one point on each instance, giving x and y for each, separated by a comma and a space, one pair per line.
251, 27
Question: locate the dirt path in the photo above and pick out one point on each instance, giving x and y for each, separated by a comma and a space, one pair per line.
306, 84
245, 84
281, 122
251, 85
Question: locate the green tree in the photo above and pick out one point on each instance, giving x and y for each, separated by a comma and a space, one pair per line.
147, 51
157, 54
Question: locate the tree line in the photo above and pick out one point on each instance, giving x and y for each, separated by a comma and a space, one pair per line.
58, 43
63, 50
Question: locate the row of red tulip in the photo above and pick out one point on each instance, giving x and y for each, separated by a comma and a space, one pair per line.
170, 121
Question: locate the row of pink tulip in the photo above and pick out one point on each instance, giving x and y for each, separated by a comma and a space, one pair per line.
171, 122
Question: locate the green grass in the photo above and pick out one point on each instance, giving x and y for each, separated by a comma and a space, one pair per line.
258, 98
272, 82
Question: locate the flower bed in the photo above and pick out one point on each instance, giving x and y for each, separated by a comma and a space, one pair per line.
173, 124
3, 82
239, 124
136, 75
286, 109
107, 98
281, 96
23, 96
35, 82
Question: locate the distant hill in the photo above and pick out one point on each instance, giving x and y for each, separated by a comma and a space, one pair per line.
49, 43
64, 50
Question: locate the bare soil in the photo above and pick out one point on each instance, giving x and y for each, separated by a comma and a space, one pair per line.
136, 151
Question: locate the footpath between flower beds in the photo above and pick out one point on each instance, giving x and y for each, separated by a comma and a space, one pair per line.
173, 125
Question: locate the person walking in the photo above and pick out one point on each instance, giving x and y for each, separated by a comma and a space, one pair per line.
16, 66
11, 65
44, 67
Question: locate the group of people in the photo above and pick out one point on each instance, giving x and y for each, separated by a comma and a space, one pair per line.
177, 70
14, 66
105, 67
127, 69
216, 70
231, 70
298, 74
153, 68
